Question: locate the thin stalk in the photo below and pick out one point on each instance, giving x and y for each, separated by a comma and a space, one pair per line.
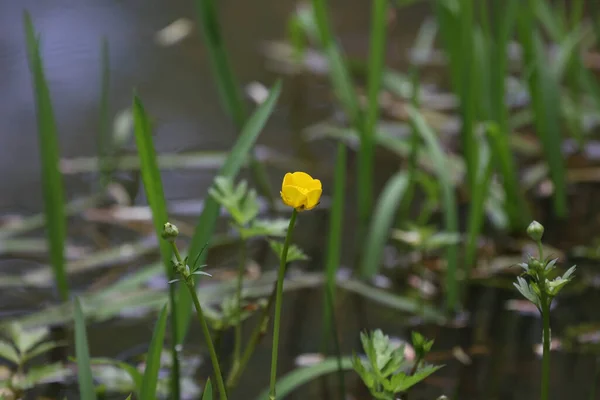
257, 334
278, 302
237, 349
546, 346
189, 283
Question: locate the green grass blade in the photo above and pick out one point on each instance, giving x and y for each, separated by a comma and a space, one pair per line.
506, 13
208, 391
230, 94
231, 97
332, 261
344, 89
336, 219
52, 181
479, 196
545, 99
104, 135
82, 353
290, 382
150, 380
382, 221
208, 218
156, 198
374, 81
436, 153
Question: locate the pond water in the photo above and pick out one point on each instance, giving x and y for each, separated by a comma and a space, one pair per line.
179, 92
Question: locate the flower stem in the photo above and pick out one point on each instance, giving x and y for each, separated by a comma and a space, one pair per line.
237, 349
278, 302
546, 347
189, 282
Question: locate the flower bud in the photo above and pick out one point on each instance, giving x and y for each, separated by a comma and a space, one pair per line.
535, 230
170, 232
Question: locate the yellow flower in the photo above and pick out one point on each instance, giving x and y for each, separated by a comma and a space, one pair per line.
301, 191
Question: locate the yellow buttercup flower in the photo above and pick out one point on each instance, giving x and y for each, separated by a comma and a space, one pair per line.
300, 191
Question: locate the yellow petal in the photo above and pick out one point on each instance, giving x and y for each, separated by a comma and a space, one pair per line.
312, 198
315, 184
287, 180
301, 179
292, 196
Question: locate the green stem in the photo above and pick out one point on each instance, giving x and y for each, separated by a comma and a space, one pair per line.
546, 346
238, 295
278, 302
257, 334
540, 250
189, 282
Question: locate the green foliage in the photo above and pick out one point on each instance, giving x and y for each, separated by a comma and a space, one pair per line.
82, 352
295, 253
539, 287
208, 392
435, 151
23, 346
242, 205
52, 182
381, 223
156, 198
239, 201
383, 370
150, 379
290, 382
207, 221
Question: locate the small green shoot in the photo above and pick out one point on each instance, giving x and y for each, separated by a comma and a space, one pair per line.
540, 289
384, 369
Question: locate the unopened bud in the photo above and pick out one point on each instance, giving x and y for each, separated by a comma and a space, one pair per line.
535, 230
170, 232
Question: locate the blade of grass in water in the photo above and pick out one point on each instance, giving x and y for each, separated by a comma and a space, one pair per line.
150, 379
478, 198
208, 218
500, 32
290, 382
52, 182
104, 135
374, 80
449, 203
545, 99
382, 221
455, 19
333, 259
344, 90
229, 91
82, 353
156, 198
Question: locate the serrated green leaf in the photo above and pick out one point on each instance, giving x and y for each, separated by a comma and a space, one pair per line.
294, 252
8, 352
42, 348
44, 374
402, 382
25, 340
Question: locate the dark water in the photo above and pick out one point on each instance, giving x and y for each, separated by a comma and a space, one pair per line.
179, 92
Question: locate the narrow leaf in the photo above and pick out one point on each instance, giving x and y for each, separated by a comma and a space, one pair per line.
52, 182
84, 370
150, 380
